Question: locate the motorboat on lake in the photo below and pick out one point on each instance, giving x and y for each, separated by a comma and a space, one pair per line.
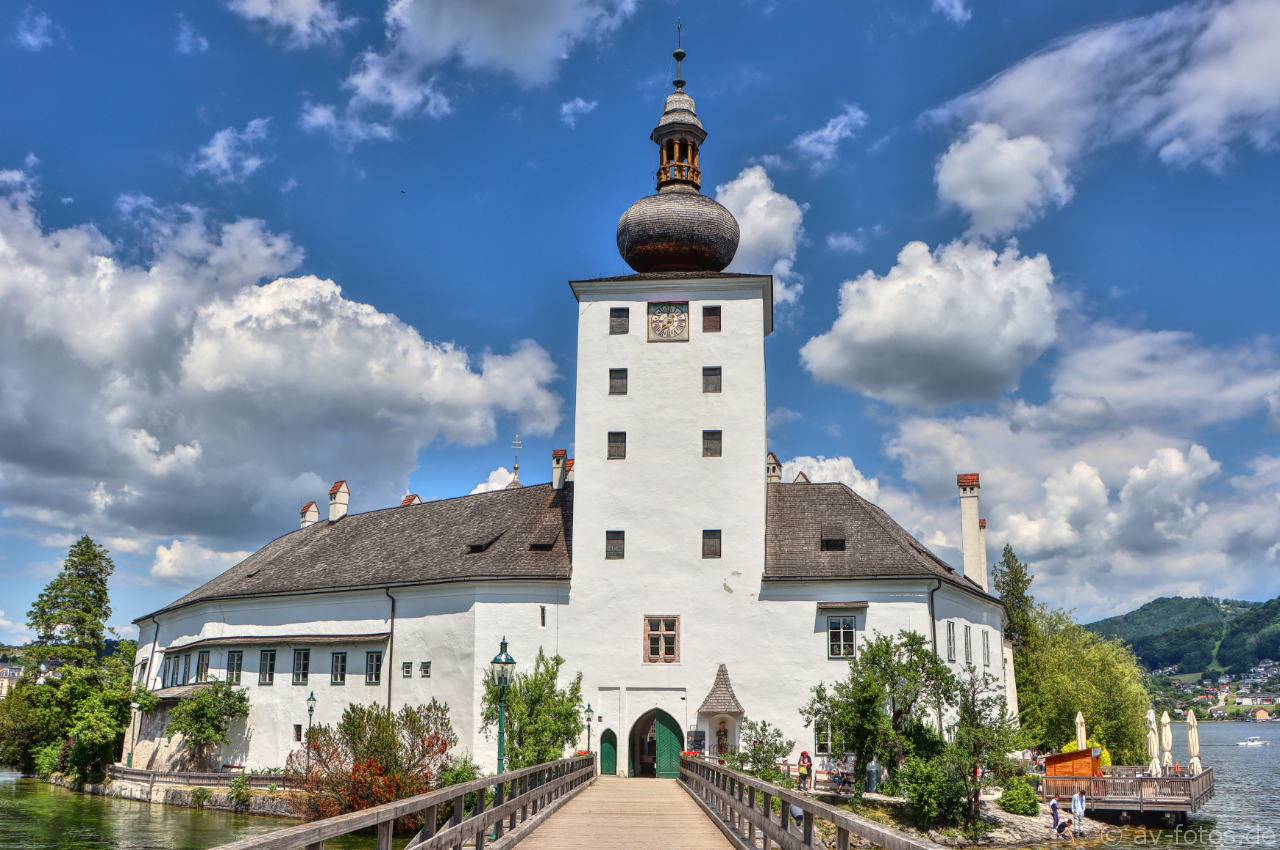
1253, 741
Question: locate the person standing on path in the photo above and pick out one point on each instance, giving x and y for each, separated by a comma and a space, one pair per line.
1077, 811
1053, 810
805, 770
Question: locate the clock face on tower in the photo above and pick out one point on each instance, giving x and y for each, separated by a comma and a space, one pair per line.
669, 321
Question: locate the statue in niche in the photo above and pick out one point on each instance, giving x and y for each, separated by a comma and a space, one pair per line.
722, 739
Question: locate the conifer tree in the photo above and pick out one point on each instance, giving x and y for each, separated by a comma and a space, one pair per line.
1012, 582
69, 616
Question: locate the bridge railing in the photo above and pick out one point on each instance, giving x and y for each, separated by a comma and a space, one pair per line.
519, 796
746, 804
189, 779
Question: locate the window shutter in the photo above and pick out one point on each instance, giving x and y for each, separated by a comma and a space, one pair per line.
711, 543
617, 445
711, 379
619, 320
711, 443
710, 319
617, 382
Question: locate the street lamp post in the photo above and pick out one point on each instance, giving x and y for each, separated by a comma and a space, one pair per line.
311, 710
590, 716
501, 668
133, 739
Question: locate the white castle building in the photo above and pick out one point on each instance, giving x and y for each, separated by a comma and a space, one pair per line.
668, 562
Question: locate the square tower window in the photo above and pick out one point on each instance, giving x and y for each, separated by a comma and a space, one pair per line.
615, 545
711, 443
617, 445
661, 639
406, 669
710, 320
619, 320
711, 379
617, 382
711, 543
424, 669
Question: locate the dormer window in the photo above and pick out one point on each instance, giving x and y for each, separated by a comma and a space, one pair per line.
833, 538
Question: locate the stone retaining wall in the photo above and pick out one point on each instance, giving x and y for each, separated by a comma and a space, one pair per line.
270, 805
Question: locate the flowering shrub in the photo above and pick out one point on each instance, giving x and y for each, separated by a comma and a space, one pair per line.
371, 757
583, 753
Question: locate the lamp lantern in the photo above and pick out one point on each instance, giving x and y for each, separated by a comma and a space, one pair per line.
502, 666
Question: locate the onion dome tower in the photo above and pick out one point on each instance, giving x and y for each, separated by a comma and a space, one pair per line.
679, 228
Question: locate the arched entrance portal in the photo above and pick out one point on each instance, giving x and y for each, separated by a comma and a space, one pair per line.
608, 753
655, 746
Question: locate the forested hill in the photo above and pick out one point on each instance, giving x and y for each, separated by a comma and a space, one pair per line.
1161, 615
1200, 633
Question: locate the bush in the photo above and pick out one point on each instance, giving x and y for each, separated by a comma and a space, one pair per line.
759, 748
1105, 757
48, 759
239, 792
1019, 799
934, 790
200, 796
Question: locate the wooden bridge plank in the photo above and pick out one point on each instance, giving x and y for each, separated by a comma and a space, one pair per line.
629, 814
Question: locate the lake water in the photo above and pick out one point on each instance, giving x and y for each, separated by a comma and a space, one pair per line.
1244, 813
37, 816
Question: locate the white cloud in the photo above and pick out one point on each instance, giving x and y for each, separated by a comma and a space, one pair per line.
822, 469
229, 157
854, 243
1001, 183
209, 403
525, 40
954, 10
959, 323
1192, 84
186, 563
190, 41
346, 131
33, 30
497, 480
779, 416
13, 633
772, 226
305, 23
822, 146
570, 110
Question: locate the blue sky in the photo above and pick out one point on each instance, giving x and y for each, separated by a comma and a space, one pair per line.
250, 247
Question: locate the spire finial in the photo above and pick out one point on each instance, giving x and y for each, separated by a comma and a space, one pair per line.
679, 55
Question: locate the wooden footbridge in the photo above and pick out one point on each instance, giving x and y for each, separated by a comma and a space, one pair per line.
564, 805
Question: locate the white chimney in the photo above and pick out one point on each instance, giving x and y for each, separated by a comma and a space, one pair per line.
339, 495
772, 469
557, 468
973, 537
411, 499
310, 514
568, 470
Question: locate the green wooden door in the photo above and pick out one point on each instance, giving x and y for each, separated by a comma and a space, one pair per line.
668, 747
608, 753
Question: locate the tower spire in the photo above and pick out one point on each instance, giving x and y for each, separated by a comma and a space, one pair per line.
679, 55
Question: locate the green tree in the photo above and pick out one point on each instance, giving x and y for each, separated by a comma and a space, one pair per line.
204, 718
885, 708
542, 718
984, 732
1012, 580
760, 746
69, 616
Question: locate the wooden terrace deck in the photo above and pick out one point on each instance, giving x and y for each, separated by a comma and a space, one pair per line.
1124, 789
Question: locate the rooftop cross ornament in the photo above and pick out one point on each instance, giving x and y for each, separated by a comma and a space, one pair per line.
679, 55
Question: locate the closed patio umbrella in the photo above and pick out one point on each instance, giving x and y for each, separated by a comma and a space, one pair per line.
1153, 744
1082, 740
1193, 743
1166, 743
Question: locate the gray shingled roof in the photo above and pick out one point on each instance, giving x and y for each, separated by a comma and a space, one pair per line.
801, 515
721, 699
416, 544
